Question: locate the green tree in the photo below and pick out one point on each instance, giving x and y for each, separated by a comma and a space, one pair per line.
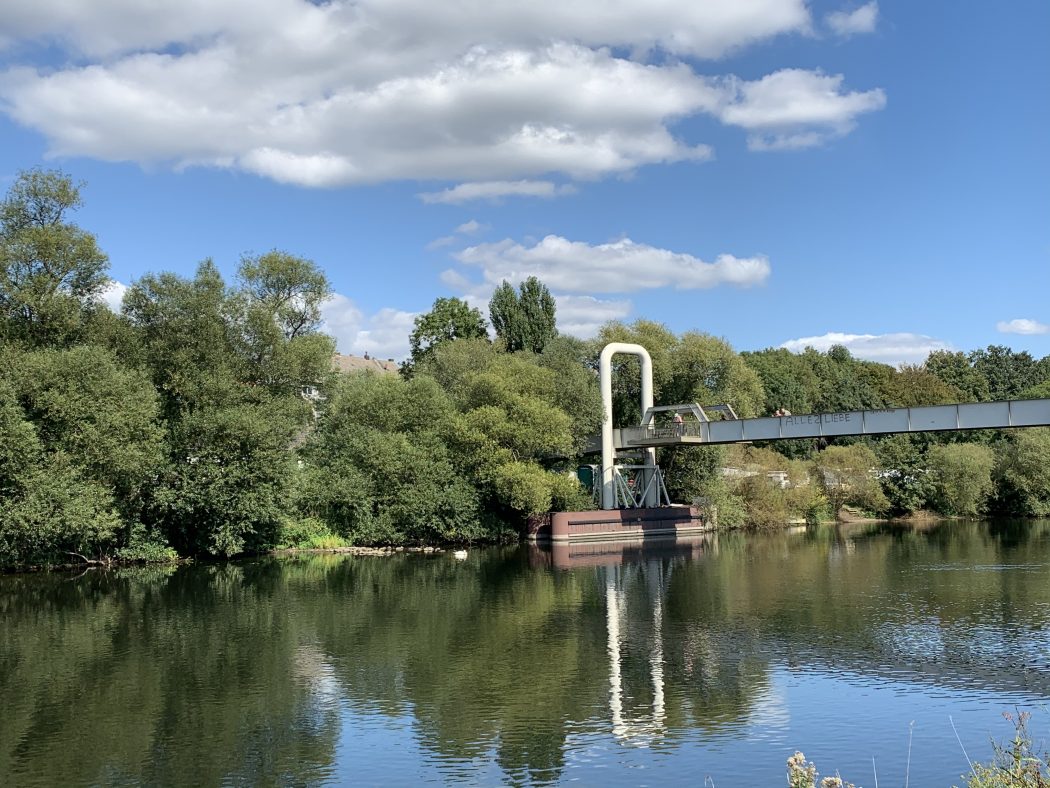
846, 382
1022, 474
279, 306
524, 320
1008, 373
82, 447
188, 339
291, 289
575, 386
695, 367
905, 480
228, 369
448, 319
20, 448
707, 370
914, 385
962, 477
56, 514
955, 369
102, 416
51, 271
509, 425
846, 475
228, 483
379, 469
787, 380
1038, 391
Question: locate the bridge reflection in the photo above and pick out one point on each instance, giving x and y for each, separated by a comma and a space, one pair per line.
562, 555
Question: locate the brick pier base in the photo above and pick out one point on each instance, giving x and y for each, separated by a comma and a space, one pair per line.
616, 524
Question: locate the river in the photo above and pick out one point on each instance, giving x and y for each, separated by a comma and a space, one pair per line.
706, 663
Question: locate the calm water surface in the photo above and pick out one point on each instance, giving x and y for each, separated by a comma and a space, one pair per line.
716, 658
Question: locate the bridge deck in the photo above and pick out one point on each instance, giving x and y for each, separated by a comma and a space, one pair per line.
935, 418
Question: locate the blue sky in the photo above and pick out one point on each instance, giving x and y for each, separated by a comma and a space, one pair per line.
770, 171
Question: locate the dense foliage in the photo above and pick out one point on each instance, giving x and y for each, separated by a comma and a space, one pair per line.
205, 417
523, 319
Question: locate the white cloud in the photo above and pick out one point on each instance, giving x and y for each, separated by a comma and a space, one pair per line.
419, 28
471, 227
496, 190
443, 241
113, 295
383, 335
499, 94
578, 315
849, 23
342, 319
488, 114
793, 108
582, 316
1022, 326
619, 267
899, 348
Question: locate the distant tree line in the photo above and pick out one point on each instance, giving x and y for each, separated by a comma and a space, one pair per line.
179, 426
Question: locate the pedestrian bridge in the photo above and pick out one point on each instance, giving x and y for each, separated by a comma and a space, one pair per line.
715, 426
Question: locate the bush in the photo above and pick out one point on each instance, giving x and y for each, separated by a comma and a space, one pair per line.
962, 478
55, 515
765, 501
1023, 474
146, 547
845, 475
308, 533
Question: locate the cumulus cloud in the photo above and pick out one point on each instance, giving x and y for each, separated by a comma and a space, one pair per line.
793, 108
619, 267
582, 316
899, 348
342, 319
495, 95
496, 190
578, 315
575, 271
1022, 326
383, 334
850, 23
382, 28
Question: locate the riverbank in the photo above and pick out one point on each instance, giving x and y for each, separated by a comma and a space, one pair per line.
356, 550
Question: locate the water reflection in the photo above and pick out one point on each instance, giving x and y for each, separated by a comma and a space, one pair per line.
637, 729
717, 655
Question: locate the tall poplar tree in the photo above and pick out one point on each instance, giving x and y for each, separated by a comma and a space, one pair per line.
524, 320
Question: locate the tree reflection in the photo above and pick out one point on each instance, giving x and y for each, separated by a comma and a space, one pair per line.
254, 672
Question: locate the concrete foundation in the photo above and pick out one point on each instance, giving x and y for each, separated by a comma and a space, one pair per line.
616, 524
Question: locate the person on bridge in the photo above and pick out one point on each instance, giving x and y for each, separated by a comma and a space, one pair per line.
679, 428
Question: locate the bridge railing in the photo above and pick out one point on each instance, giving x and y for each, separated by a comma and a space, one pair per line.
932, 418
668, 432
